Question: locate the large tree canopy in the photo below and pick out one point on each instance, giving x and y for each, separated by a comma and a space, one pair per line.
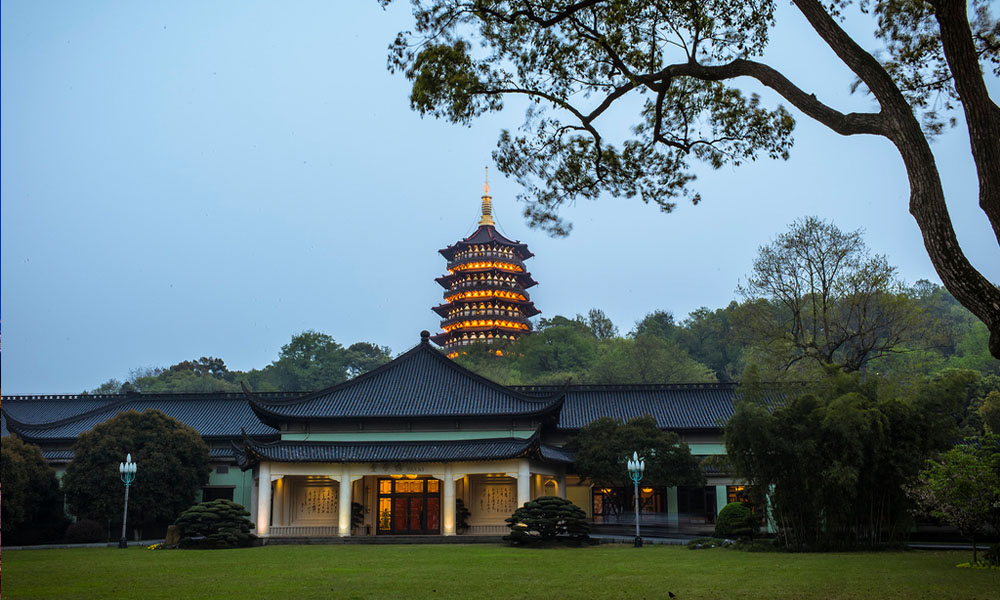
574, 60
172, 459
817, 293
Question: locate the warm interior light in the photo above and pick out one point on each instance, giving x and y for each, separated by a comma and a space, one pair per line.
486, 265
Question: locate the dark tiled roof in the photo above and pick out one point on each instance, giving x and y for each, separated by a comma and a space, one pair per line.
402, 452
58, 456
486, 234
422, 383
66, 417
66, 455
679, 406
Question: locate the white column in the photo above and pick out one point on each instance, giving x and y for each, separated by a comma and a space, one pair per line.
449, 500
263, 498
344, 514
561, 483
523, 482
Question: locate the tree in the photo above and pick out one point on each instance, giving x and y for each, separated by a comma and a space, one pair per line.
364, 356
989, 412
708, 337
658, 323
310, 361
560, 349
206, 365
817, 293
645, 359
599, 324
173, 465
32, 504
575, 61
604, 445
963, 487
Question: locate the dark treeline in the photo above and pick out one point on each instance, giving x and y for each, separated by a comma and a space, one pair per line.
707, 346
718, 345
310, 361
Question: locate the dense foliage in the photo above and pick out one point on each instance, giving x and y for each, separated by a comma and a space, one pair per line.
32, 504
172, 459
217, 523
546, 518
719, 344
310, 361
835, 460
817, 293
603, 447
962, 488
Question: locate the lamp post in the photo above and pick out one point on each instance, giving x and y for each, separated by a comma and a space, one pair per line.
127, 472
636, 466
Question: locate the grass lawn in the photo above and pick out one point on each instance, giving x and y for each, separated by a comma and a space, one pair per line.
487, 571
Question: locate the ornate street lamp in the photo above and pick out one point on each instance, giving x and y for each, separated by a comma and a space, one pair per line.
127, 472
636, 466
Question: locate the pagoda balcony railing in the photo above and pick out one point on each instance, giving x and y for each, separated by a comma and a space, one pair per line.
492, 256
485, 315
486, 283
454, 341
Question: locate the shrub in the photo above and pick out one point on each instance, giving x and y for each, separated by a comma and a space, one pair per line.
704, 542
86, 531
546, 518
736, 520
462, 515
215, 524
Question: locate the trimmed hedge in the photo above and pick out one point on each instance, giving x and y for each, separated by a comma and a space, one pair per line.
736, 520
546, 518
215, 524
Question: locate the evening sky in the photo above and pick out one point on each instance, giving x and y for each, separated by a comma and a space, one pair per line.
186, 179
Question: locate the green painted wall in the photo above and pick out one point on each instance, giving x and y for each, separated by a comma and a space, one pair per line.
720, 498
407, 436
707, 449
241, 480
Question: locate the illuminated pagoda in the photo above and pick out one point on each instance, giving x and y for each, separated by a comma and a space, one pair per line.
485, 298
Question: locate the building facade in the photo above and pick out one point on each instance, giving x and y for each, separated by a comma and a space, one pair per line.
393, 450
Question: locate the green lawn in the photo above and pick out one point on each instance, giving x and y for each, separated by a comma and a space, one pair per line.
487, 571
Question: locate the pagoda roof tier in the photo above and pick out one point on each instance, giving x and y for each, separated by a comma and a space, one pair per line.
446, 337
489, 258
483, 290
495, 320
526, 306
487, 234
421, 383
523, 279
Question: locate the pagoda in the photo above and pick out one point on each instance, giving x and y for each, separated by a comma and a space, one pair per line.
485, 297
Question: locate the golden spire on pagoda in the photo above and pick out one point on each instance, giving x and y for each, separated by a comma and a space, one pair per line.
487, 218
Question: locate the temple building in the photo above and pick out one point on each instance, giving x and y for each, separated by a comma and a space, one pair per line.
485, 297
393, 451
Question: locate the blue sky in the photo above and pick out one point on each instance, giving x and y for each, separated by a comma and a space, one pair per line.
185, 179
